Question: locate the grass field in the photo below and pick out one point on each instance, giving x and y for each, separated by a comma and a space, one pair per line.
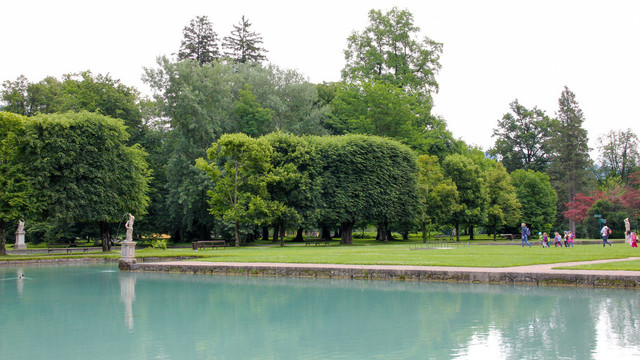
397, 253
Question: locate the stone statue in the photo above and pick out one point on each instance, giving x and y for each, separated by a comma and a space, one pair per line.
129, 227
20, 244
627, 225
128, 257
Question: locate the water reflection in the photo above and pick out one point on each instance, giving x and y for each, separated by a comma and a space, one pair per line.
128, 295
177, 316
20, 280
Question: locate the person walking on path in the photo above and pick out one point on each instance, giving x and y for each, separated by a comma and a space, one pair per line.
605, 232
634, 240
525, 234
572, 237
557, 240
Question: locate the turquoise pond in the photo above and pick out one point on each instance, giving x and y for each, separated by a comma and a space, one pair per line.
96, 312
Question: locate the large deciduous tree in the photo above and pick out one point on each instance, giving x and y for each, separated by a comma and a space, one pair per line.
199, 42
83, 170
438, 196
537, 197
390, 50
503, 207
471, 182
366, 178
239, 166
523, 138
244, 45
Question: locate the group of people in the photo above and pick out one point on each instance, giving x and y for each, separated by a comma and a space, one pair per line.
544, 238
569, 237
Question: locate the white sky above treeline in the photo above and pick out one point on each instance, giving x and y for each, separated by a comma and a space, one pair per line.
494, 51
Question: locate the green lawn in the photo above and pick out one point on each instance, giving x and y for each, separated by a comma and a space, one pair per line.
397, 253
633, 265
402, 254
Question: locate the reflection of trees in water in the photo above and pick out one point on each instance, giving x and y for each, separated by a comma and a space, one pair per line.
623, 317
327, 318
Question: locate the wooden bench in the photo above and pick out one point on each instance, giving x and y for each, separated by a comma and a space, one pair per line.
510, 236
213, 243
317, 242
67, 248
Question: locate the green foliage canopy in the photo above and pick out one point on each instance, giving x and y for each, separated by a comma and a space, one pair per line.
83, 170
537, 197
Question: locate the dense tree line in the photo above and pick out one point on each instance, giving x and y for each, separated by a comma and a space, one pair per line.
280, 153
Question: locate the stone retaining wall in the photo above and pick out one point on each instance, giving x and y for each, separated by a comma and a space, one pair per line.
506, 277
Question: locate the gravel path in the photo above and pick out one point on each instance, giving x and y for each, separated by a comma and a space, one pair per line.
529, 269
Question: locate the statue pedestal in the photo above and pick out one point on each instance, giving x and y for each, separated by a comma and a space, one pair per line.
128, 252
20, 245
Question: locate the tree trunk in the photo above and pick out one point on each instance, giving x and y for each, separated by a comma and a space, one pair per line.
326, 233
237, 234
3, 241
346, 229
299, 237
381, 234
424, 231
495, 236
276, 228
265, 233
572, 226
470, 232
338, 233
105, 235
282, 234
457, 232
405, 234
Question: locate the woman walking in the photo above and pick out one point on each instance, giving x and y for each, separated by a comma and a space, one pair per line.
605, 232
525, 234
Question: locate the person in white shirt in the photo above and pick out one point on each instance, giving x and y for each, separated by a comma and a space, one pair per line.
605, 232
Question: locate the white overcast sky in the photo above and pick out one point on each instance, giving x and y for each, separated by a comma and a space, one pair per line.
494, 51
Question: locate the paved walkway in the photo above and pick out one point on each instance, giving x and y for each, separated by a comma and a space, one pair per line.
528, 269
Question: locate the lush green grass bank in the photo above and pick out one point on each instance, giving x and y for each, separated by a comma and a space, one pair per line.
400, 253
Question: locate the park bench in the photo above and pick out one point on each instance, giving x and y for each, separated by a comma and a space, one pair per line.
510, 236
67, 248
442, 236
213, 243
309, 242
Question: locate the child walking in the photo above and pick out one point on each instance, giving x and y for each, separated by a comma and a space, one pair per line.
557, 240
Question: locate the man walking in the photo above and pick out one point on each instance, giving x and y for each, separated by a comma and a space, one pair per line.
605, 232
525, 234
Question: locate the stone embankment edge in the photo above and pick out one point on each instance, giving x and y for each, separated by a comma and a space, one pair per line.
402, 274
82, 260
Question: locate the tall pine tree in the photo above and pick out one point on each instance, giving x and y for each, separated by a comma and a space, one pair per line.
199, 41
570, 161
243, 45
